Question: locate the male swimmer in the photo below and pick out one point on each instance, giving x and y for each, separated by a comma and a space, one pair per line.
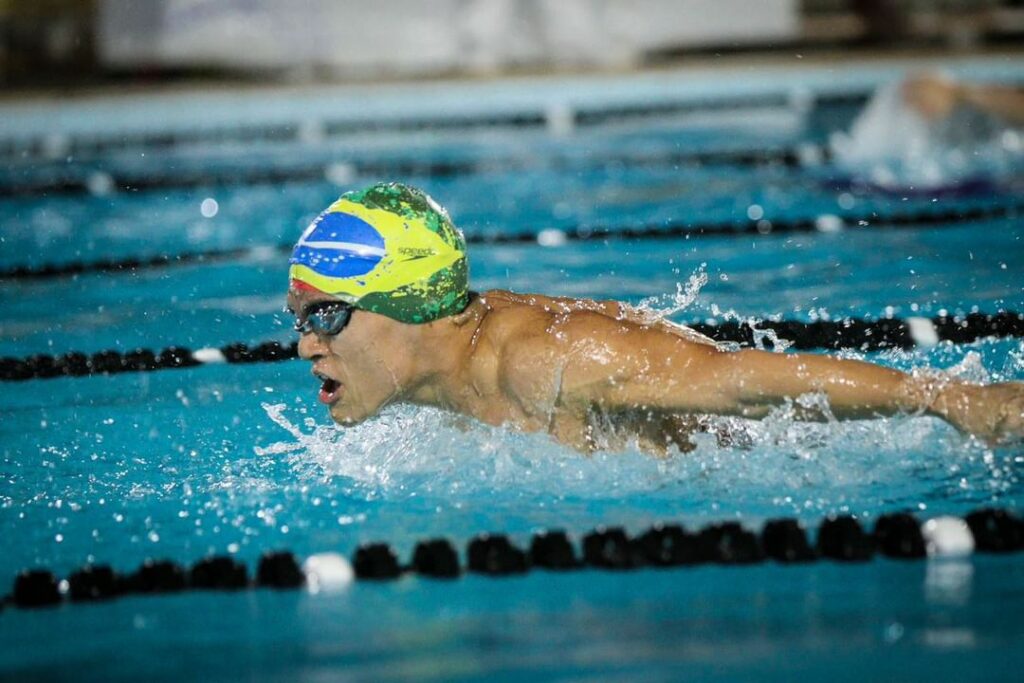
379, 288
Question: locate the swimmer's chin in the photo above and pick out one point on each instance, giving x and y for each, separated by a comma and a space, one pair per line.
345, 420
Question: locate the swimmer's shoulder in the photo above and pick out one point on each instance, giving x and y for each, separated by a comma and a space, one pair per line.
583, 315
511, 317
499, 299
534, 330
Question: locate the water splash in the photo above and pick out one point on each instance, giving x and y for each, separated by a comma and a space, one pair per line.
779, 462
761, 336
970, 369
777, 344
663, 306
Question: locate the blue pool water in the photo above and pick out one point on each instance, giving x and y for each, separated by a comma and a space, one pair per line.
241, 459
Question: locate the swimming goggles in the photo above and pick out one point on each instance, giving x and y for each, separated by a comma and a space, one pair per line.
329, 317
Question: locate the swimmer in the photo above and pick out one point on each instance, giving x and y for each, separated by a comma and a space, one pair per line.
935, 97
378, 286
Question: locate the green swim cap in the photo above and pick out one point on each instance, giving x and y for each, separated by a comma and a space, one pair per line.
388, 249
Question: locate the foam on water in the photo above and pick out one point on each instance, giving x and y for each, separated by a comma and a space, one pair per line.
800, 466
664, 306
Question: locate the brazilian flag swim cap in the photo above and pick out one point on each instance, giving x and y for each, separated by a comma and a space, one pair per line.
388, 249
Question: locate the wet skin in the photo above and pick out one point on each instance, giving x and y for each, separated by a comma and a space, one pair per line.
596, 375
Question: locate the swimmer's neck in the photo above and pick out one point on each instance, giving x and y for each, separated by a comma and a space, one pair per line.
450, 364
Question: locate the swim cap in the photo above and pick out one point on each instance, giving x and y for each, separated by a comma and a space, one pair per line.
388, 249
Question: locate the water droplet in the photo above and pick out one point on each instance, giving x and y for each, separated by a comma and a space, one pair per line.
209, 207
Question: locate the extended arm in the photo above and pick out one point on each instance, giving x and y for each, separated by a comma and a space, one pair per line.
856, 389
749, 383
665, 373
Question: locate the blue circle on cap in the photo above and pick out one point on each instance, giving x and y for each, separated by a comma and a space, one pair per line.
340, 245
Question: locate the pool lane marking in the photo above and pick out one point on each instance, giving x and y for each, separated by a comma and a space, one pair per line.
839, 538
922, 331
845, 333
105, 182
209, 355
556, 237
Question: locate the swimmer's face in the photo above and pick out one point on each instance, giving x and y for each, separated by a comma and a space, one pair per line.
358, 375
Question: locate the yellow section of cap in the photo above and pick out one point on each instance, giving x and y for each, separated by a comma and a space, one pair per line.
413, 253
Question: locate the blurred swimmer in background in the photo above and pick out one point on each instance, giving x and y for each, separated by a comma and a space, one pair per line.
379, 289
932, 135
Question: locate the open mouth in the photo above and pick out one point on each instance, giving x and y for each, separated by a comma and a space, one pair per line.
330, 389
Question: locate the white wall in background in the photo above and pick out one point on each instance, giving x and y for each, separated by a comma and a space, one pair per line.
424, 36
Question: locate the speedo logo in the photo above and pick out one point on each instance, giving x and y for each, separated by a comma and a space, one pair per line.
415, 252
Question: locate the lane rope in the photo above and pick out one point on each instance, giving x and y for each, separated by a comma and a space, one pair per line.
898, 536
551, 116
845, 333
554, 237
108, 181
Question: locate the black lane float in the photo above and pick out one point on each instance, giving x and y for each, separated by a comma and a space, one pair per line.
930, 216
899, 536
60, 181
846, 333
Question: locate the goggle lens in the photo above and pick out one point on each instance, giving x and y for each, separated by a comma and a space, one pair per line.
330, 318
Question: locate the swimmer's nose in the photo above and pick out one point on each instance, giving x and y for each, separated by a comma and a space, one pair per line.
312, 346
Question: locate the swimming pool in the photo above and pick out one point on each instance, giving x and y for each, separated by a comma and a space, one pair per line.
239, 459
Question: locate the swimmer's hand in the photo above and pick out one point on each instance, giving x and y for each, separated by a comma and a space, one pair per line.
931, 95
993, 412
